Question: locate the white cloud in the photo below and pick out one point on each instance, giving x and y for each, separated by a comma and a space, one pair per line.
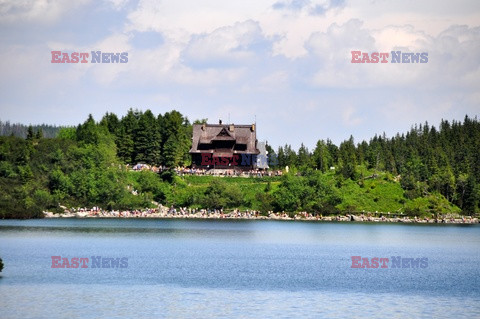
391, 37
180, 19
430, 16
117, 4
288, 62
452, 57
107, 73
307, 6
350, 118
224, 47
43, 11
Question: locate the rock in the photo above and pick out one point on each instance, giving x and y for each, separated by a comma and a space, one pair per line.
357, 218
81, 214
49, 214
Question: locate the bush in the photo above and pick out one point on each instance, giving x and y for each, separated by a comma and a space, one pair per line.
149, 182
314, 193
221, 195
430, 205
185, 196
265, 201
7, 170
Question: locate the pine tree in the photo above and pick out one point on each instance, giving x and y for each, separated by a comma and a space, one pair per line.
333, 151
39, 134
290, 156
321, 157
176, 139
147, 140
125, 138
471, 197
347, 158
171, 152
111, 122
125, 144
30, 133
87, 132
303, 157
281, 157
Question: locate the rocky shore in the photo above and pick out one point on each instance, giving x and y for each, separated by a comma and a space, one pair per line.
187, 213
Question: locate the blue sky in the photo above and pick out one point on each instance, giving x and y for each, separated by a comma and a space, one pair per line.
286, 63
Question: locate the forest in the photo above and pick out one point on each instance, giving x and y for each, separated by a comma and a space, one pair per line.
422, 172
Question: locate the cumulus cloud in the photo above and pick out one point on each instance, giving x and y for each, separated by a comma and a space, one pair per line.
308, 6
43, 11
451, 54
107, 74
224, 47
117, 4
286, 61
180, 19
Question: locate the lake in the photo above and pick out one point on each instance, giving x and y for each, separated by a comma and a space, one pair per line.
236, 269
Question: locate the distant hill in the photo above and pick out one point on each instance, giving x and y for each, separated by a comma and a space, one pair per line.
20, 130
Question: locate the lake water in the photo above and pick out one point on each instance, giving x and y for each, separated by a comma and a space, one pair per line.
237, 269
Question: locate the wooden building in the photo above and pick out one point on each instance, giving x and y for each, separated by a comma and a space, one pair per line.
224, 146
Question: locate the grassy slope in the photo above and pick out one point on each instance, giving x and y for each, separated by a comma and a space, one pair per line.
249, 186
375, 195
380, 194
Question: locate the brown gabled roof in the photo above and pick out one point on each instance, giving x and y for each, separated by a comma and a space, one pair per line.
224, 135
239, 134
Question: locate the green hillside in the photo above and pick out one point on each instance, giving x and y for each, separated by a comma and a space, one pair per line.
423, 173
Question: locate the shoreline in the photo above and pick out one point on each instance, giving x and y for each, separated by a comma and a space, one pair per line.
173, 213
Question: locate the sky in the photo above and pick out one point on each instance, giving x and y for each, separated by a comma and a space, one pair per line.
284, 64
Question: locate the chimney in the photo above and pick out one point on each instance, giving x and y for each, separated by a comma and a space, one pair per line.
220, 122
232, 127
253, 128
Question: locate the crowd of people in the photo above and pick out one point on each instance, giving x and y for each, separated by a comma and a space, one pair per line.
227, 172
182, 171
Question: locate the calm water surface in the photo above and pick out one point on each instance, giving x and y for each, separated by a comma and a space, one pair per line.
237, 269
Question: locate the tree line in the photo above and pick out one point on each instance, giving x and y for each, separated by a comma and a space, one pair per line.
425, 159
85, 165
23, 131
142, 137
